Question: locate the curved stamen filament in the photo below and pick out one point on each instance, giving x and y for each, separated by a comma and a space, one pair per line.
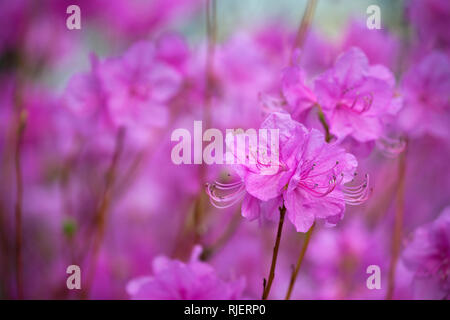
226, 186
359, 194
391, 147
319, 194
218, 196
367, 100
267, 164
306, 173
316, 174
333, 182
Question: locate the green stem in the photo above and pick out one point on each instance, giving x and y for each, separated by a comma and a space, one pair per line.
299, 262
324, 123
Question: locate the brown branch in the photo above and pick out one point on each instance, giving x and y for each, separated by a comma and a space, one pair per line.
211, 37
398, 224
268, 284
103, 208
304, 25
18, 206
4, 252
198, 215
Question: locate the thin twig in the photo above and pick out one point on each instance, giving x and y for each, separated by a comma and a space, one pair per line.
4, 254
268, 284
324, 123
103, 208
211, 37
398, 224
18, 207
298, 44
304, 25
299, 262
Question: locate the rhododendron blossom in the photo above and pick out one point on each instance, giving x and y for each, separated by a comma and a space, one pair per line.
310, 179
138, 84
431, 20
428, 256
298, 95
132, 91
175, 280
426, 90
370, 43
356, 97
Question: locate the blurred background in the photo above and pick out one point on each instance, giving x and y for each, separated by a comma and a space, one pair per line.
95, 188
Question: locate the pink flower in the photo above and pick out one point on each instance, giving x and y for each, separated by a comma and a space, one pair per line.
173, 50
431, 19
292, 135
370, 42
309, 181
243, 67
316, 189
345, 252
12, 12
297, 94
428, 256
83, 94
357, 98
310, 60
426, 88
133, 91
44, 43
138, 86
175, 280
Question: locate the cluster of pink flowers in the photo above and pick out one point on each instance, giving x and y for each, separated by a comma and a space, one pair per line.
87, 179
